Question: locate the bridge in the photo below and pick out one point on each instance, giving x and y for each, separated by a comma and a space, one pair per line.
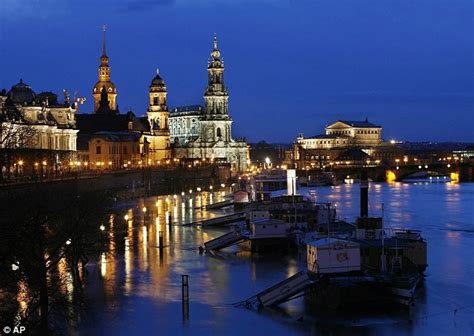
458, 172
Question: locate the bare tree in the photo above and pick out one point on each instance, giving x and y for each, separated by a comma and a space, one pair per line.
45, 249
17, 135
14, 136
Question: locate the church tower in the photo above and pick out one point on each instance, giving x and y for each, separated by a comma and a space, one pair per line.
216, 122
104, 82
157, 115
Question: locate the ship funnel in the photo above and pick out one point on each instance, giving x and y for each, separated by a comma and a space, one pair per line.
291, 181
364, 194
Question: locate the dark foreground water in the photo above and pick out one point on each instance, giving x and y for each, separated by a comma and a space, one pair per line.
136, 290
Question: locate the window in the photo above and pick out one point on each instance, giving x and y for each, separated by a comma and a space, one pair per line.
155, 100
219, 132
124, 150
98, 150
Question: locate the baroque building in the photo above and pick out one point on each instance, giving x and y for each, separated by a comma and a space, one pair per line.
345, 134
104, 83
36, 127
206, 133
350, 142
158, 135
125, 139
185, 125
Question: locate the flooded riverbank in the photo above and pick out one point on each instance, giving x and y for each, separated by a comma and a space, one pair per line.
136, 288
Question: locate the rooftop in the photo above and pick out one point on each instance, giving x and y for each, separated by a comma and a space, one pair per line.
189, 108
360, 124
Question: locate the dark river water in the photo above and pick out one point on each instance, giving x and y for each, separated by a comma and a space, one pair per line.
136, 290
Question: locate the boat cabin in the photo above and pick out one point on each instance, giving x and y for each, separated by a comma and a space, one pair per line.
331, 255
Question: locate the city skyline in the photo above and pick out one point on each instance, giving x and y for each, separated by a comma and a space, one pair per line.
345, 81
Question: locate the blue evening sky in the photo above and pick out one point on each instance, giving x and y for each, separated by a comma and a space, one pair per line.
292, 66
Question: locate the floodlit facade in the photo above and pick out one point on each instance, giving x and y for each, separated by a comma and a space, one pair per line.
36, 121
206, 133
345, 142
344, 134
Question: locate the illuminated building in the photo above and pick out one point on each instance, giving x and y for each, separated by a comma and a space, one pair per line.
158, 134
345, 134
36, 127
107, 123
105, 84
113, 150
205, 133
345, 142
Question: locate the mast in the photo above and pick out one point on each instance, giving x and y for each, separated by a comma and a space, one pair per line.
383, 261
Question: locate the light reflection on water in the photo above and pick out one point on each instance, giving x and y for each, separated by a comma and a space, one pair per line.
141, 285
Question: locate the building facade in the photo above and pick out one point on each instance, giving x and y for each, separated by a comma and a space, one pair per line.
35, 128
210, 135
345, 134
114, 150
344, 142
185, 124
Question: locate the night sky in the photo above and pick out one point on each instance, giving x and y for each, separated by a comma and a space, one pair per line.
291, 66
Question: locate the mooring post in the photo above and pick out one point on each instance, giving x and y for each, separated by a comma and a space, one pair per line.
160, 241
185, 295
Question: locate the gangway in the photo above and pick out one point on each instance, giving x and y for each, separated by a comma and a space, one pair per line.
279, 293
225, 240
219, 205
235, 217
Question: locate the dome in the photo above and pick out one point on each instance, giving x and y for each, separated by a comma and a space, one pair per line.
157, 81
50, 97
21, 93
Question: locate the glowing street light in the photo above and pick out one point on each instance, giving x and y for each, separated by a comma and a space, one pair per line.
144, 209
102, 227
125, 217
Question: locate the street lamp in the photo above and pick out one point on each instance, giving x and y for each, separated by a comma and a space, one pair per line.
267, 162
144, 212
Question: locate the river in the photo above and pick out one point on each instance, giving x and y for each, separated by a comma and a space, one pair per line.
136, 289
